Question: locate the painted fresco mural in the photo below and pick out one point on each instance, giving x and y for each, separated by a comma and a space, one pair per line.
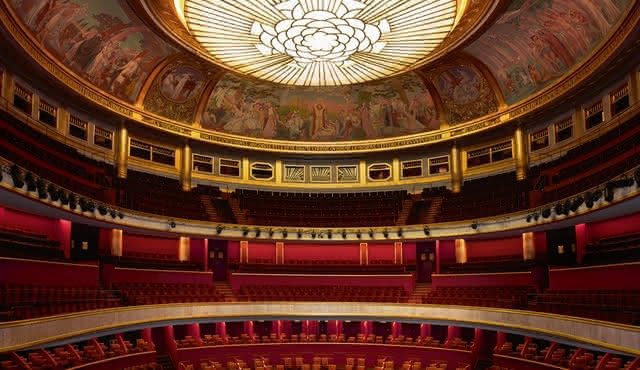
465, 93
177, 90
537, 41
391, 107
103, 41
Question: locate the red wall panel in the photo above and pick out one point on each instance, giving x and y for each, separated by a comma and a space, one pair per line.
262, 250
111, 274
149, 244
381, 252
51, 227
409, 252
494, 247
447, 251
238, 280
616, 227
19, 271
315, 252
622, 276
233, 250
498, 279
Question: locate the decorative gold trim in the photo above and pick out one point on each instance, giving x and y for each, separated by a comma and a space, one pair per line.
596, 267
171, 271
316, 275
577, 75
48, 262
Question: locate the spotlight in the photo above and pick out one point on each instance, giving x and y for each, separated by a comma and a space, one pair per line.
608, 192
558, 209
313, 235
113, 213
474, 225
529, 217
245, 231
120, 215
546, 213
172, 224
258, 232
577, 203
102, 210
219, 229
426, 231
91, 207
386, 234
299, 234
400, 233
371, 234
536, 216
53, 192
16, 176
271, 233
358, 234
597, 195
72, 200
344, 234
83, 204
329, 234
42, 189
566, 207
285, 233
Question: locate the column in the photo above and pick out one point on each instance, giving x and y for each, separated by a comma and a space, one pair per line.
578, 122
279, 253
276, 327
453, 332
122, 150
146, 335
425, 330
396, 329
184, 249
520, 153
170, 344
116, 242
205, 263
186, 167
63, 235
245, 168
397, 253
634, 89
221, 330
461, 250
395, 168
456, 169
193, 330
248, 329
437, 256
363, 172
582, 239
528, 246
7, 83
244, 251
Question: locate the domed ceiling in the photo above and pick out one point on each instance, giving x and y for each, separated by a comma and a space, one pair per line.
320, 70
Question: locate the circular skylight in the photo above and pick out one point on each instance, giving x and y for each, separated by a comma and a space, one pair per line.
319, 42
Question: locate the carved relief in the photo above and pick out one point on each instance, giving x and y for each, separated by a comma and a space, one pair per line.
293, 173
347, 173
320, 174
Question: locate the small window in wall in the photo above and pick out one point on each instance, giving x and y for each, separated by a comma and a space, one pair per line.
439, 165
412, 168
294, 173
47, 113
140, 150
103, 138
163, 155
78, 127
22, 98
229, 167
540, 139
501, 152
620, 100
564, 130
478, 157
594, 115
202, 163
379, 172
261, 171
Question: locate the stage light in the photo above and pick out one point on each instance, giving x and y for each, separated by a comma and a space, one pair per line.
529, 217
358, 234
42, 188
245, 231
258, 232
597, 195
426, 231
54, 193
16, 176
120, 215
313, 235
536, 216
566, 207
474, 225
271, 233
64, 197
113, 213
577, 203
83, 204
344, 234
219, 229
546, 213
400, 233
102, 210
608, 192
30, 180
558, 209
329, 234
299, 234
386, 234
371, 234
285, 233
172, 224
91, 207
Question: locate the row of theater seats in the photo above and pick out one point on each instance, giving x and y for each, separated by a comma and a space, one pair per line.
319, 267
568, 358
324, 363
255, 293
151, 260
321, 209
504, 297
160, 293
18, 302
22, 243
621, 306
76, 355
613, 250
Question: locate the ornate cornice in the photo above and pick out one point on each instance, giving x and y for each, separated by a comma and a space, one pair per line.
538, 101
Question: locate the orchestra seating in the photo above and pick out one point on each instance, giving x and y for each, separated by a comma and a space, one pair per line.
253, 293
621, 306
491, 296
321, 209
28, 301
160, 293
24, 243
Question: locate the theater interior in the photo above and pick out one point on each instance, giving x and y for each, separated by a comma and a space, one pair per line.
320, 184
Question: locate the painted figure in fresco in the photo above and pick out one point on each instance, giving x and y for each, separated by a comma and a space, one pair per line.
319, 118
294, 124
271, 122
128, 73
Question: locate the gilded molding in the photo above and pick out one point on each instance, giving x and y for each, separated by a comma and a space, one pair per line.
534, 103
